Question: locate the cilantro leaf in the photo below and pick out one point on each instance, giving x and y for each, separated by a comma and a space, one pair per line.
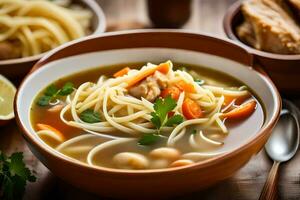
148, 139
51, 90
163, 106
174, 120
67, 89
44, 100
13, 176
194, 131
17, 167
199, 81
155, 120
90, 116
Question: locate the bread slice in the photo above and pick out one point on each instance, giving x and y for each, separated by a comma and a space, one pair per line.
271, 28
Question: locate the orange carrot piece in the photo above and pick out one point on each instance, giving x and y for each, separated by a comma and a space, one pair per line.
228, 100
237, 100
184, 86
50, 128
121, 72
174, 92
144, 75
163, 68
242, 111
190, 109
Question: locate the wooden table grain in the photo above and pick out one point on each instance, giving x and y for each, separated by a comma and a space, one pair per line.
246, 184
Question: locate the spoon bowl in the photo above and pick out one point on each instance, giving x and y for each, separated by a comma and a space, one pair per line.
284, 141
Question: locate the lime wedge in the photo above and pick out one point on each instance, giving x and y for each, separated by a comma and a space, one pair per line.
7, 95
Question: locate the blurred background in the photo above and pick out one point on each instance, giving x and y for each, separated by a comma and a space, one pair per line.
197, 15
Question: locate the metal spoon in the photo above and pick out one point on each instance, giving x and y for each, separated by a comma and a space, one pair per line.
281, 146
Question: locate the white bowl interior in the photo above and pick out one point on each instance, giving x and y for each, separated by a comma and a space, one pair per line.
52, 71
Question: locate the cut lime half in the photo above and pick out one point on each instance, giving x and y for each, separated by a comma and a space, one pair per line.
7, 95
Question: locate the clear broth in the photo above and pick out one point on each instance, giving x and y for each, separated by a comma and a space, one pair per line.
239, 131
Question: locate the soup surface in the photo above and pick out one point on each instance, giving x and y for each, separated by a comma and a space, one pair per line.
146, 116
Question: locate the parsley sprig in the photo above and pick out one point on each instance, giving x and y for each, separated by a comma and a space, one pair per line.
52, 92
89, 116
14, 176
160, 118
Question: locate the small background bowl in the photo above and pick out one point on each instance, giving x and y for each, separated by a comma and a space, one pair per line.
19, 67
145, 46
284, 70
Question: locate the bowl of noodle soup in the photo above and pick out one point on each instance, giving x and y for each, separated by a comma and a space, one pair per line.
129, 113
31, 28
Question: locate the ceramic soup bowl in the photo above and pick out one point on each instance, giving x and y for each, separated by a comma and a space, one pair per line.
147, 46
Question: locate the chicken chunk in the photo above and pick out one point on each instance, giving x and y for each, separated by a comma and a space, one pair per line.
151, 87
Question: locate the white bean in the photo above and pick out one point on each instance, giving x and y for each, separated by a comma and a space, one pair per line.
167, 153
159, 163
180, 163
129, 160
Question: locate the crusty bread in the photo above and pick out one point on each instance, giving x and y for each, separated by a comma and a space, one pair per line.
269, 27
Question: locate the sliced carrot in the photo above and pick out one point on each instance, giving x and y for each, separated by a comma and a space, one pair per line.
50, 128
163, 68
242, 111
184, 86
121, 72
145, 74
174, 92
237, 100
190, 109
228, 100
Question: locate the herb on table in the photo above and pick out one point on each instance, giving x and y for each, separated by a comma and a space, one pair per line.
160, 119
52, 92
89, 116
14, 176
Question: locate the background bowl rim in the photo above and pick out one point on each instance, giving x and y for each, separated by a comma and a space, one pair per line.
101, 27
184, 169
228, 18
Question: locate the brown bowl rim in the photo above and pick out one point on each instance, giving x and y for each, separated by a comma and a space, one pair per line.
140, 173
101, 27
229, 16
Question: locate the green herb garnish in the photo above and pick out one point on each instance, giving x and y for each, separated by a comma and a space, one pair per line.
13, 176
160, 119
194, 131
52, 92
66, 89
174, 120
44, 100
199, 81
89, 116
148, 139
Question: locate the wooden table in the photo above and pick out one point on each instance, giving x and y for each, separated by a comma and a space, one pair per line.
245, 184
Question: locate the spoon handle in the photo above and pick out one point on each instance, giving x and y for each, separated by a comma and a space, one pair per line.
270, 187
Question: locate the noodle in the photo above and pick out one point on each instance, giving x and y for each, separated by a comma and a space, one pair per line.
40, 25
118, 115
